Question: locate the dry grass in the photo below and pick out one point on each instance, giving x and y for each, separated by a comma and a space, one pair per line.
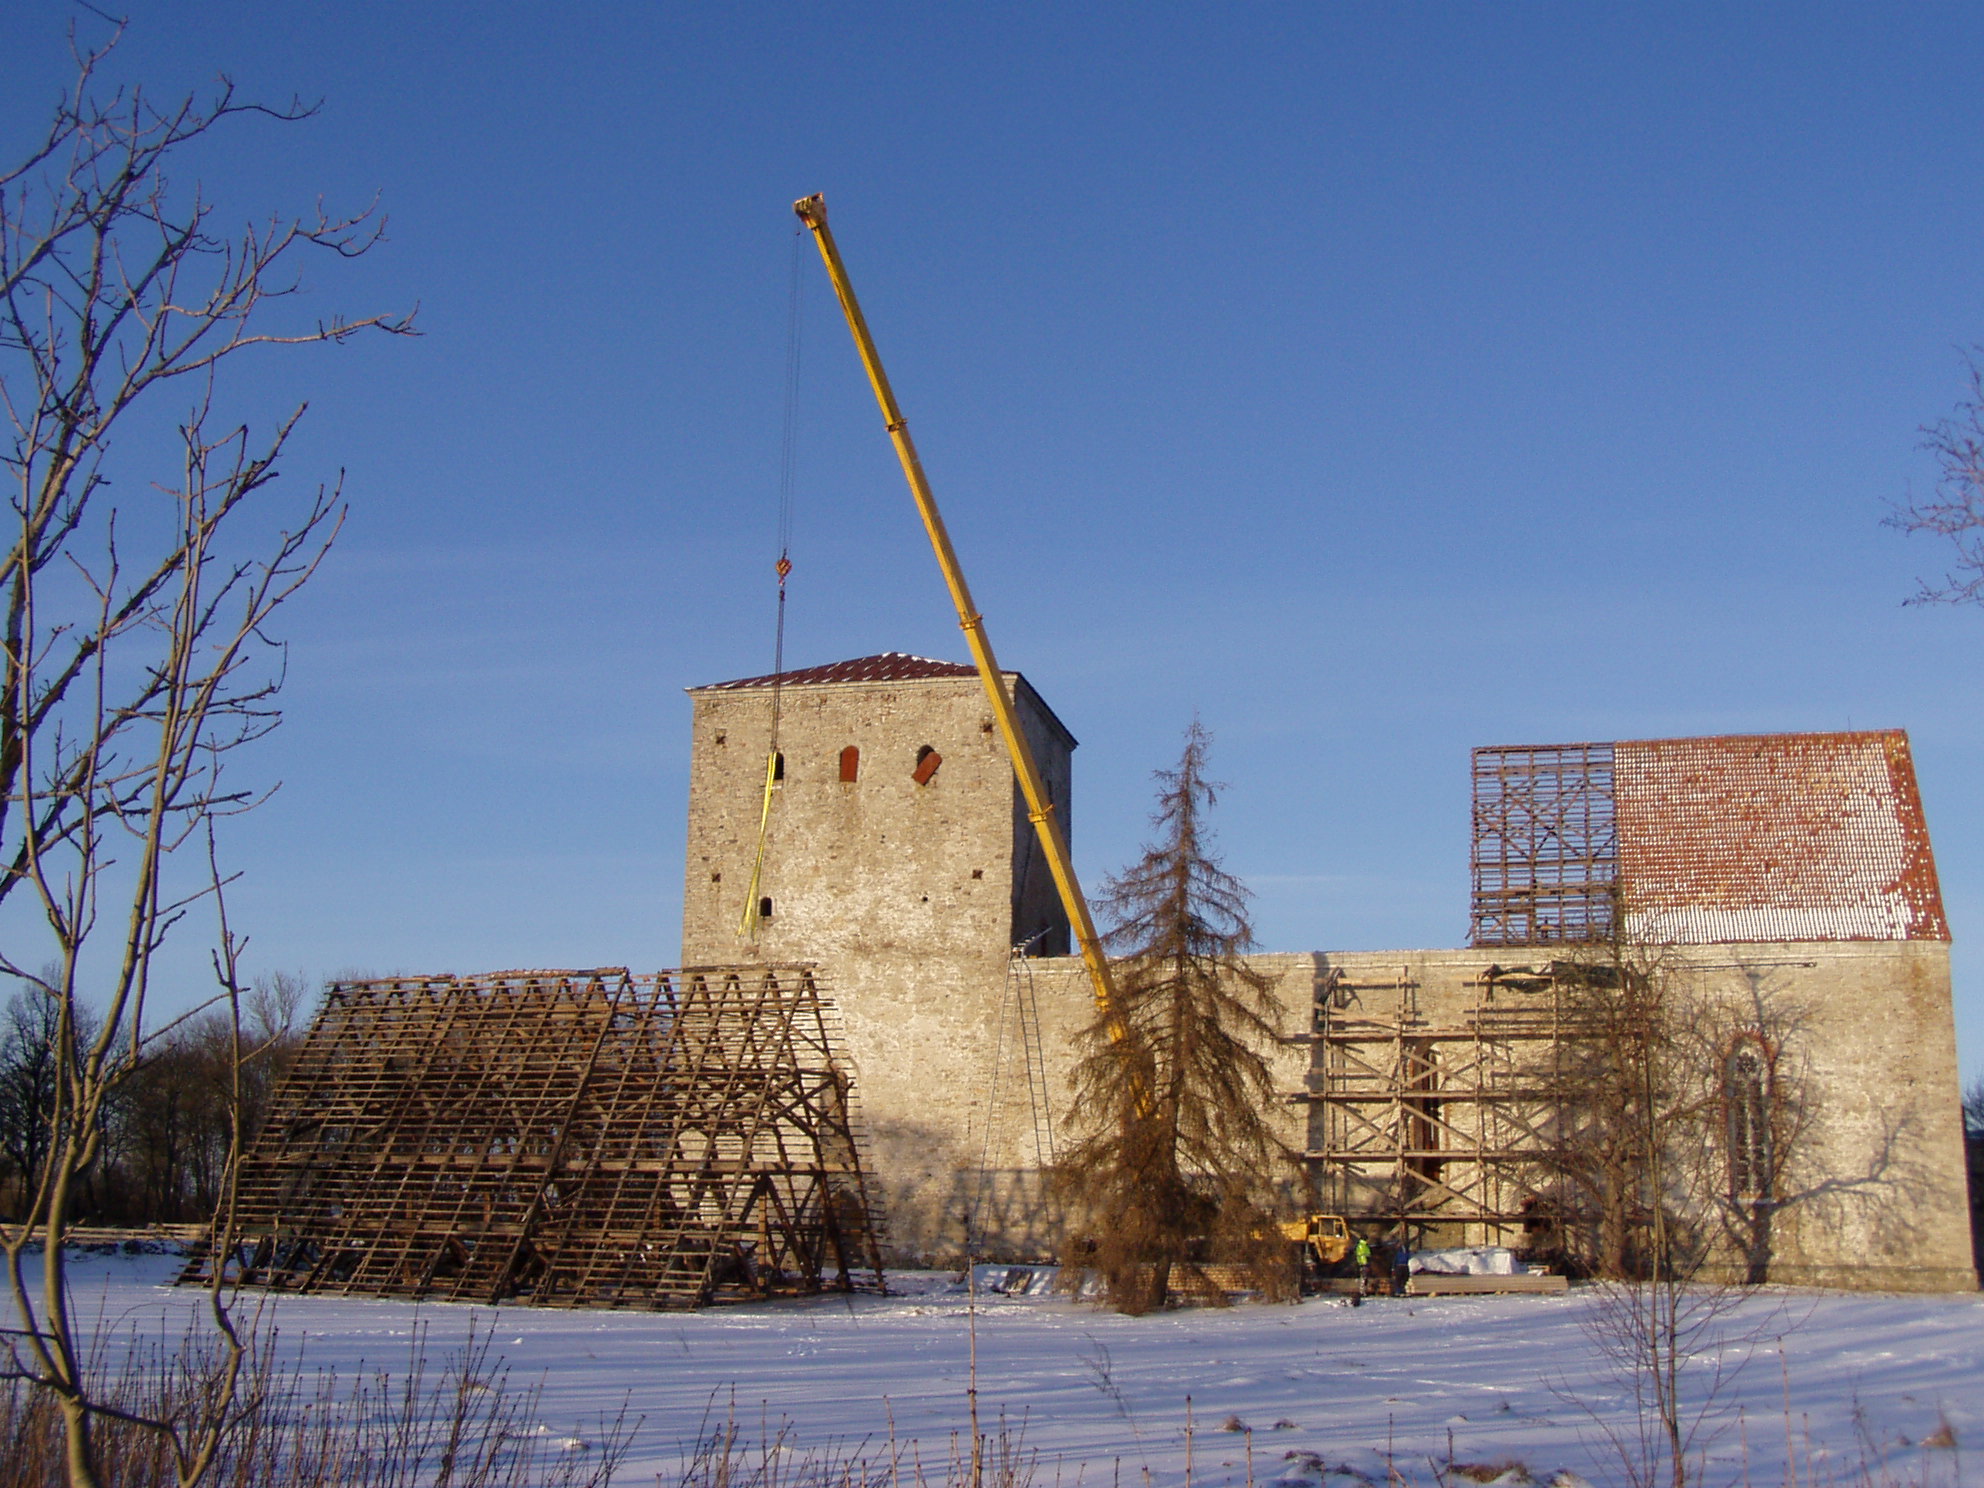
463, 1424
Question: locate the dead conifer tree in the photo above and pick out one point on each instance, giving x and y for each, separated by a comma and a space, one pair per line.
1175, 1161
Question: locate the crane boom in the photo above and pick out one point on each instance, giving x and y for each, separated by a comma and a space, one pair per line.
812, 211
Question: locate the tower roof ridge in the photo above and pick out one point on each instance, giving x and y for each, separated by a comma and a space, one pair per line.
886, 666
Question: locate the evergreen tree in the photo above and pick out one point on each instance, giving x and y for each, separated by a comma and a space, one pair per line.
1175, 1162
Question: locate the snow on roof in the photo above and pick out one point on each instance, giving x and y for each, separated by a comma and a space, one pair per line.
1775, 837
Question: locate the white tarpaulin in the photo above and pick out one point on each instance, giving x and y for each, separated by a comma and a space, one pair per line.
1471, 1260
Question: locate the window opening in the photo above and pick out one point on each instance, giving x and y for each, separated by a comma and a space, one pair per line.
1746, 1099
850, 764
765, 908
778, 766
927, 761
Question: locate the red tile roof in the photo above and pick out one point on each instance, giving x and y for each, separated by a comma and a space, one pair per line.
890, 666
1775, 837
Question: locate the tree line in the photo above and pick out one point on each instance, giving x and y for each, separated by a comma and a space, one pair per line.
164, 1133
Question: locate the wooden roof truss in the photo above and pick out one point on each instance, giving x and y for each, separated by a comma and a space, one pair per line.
568, 1138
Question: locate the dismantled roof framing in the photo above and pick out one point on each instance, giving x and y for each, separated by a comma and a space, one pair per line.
569, 1138
1424, 1122
1546, 844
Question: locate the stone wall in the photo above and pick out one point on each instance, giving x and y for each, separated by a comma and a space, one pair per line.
1876, 1195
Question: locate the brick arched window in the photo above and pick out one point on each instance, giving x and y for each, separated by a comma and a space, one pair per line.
850, 764
927, 761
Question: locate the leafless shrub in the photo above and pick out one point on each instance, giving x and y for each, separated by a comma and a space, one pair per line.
725, 1455
464, 1424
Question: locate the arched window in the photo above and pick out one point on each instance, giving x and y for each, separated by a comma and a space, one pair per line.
778, 766
850, 764
927, 761
1746, 1099
765, 908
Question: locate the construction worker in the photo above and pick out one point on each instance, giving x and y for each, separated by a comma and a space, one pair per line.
1363, 1254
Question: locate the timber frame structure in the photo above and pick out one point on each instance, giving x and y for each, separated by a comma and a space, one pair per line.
1545, 857
566, 1138
1444, 1127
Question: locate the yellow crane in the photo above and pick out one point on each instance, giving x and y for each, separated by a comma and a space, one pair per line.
812, 211
1325, 1237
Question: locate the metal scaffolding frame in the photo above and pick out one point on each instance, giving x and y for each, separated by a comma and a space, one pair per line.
568, 1138
1421, 1123
1546, 845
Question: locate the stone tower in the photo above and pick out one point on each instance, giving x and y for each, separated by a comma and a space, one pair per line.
898, 855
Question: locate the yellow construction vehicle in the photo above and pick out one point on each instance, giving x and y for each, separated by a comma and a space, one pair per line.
1325, 1240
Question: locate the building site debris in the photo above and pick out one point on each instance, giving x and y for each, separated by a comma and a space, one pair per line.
1440, 1284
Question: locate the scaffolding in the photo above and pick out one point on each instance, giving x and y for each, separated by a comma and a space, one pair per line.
566, 1138
1440, 1128
1546, 845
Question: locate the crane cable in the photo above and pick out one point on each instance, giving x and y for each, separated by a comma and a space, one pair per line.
748, 925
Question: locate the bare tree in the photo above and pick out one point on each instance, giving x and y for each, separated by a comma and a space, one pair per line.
1682, 1110
178, 1110
1627, 1092
138, 656
1954, 507
275, 1008
1633, 1178
1687, 1115
166, 1128
1176, 1162
1748, 1120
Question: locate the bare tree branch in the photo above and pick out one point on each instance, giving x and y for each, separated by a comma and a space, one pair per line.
137, 658
1954, 508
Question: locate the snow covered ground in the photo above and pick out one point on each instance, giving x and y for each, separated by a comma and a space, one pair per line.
1869, 1378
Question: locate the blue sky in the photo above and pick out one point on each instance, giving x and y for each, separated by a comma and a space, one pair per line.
1374, 382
